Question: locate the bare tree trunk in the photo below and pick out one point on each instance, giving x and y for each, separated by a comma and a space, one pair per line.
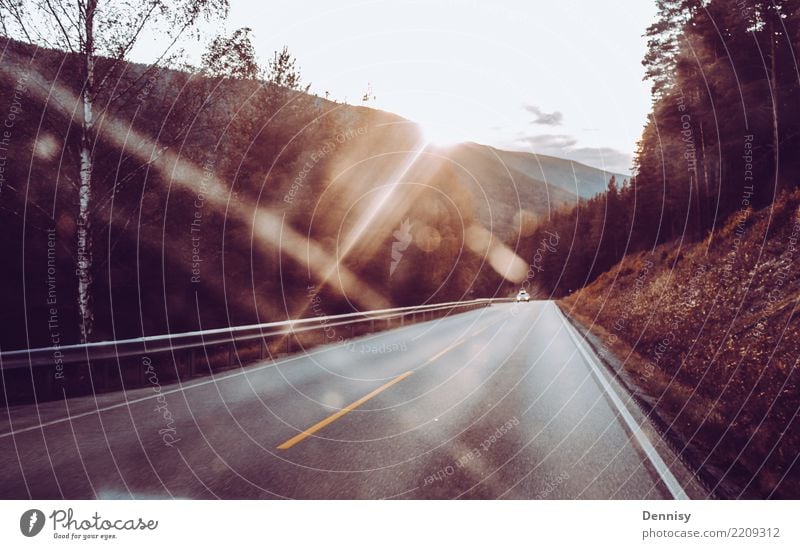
706, 189
85, 187
774, 85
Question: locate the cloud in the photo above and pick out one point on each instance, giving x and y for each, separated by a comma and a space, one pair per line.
544, 118
603, 157
548, 142
565, 146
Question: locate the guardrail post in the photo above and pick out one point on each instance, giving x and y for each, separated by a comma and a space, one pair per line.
262, 348
230, 354
192, 365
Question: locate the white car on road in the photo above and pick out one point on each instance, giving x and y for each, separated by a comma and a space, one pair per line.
523, 295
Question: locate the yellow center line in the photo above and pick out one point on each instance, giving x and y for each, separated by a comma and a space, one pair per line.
453, 346
349, 408
444, 351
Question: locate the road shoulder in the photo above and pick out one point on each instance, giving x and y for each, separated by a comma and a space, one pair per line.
640, 407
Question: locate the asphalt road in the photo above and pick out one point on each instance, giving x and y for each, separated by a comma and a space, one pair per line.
500, 402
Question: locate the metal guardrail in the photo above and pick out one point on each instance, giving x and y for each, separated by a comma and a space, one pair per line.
37, 375
102, 350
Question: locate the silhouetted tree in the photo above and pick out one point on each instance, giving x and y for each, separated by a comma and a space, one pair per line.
232, 56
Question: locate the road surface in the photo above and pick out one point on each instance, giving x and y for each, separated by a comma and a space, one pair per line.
501, 402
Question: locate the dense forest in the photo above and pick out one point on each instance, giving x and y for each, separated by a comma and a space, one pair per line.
721, 139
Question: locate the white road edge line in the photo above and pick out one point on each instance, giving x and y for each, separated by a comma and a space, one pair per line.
669, 480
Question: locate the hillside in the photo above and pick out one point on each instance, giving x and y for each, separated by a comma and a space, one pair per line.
235, 197
507, 196
708, 335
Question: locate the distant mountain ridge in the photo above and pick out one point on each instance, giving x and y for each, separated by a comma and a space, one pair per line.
513, 189
570, 175
506, 196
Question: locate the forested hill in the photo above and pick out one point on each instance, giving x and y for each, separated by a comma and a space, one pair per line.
708, 334
721, 139
200, 180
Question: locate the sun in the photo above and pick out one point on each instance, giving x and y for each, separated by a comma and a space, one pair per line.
442, 134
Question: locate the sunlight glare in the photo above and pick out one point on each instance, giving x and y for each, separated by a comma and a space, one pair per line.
441, 134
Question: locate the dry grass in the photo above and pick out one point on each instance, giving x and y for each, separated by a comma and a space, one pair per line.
710, 336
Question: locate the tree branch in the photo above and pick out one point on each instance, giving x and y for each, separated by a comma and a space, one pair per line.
64, 32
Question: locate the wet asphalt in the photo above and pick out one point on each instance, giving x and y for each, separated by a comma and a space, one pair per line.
493, 403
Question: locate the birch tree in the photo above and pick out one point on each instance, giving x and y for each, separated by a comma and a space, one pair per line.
90, 29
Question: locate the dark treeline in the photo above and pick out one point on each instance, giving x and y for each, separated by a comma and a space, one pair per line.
721, 140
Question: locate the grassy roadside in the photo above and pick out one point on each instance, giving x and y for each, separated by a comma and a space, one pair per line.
708, 334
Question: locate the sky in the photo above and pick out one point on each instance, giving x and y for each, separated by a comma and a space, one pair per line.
562, 78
